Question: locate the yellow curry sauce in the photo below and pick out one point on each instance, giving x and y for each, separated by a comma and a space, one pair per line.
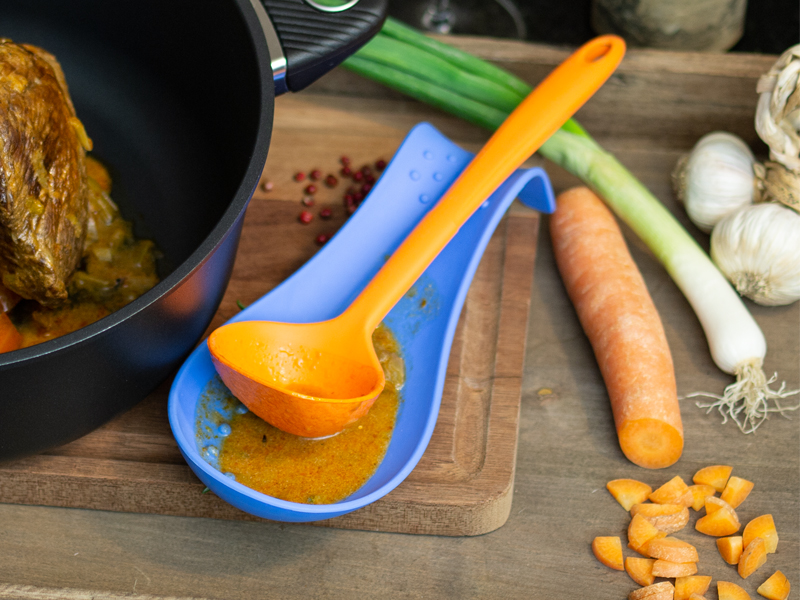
317, 471
116, 269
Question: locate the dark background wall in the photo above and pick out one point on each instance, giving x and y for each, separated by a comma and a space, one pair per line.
771, 26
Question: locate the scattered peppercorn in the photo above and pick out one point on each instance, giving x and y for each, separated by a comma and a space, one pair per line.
266, 185
363, 178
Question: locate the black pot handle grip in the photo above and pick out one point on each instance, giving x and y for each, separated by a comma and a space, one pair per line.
315, 40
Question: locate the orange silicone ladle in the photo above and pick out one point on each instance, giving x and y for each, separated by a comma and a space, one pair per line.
313, 379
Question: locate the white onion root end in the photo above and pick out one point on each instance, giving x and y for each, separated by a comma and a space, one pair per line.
749, 400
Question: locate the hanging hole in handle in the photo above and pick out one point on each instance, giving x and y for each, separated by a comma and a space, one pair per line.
598, 52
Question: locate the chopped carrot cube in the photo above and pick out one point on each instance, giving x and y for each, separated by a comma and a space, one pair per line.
730, 591
675, 491
736, 491
657, 591
754, 555
668, 518
10, 338
640, 533
686, 586
715, 476
720, 519
667, 568
730, 548
655, 510
763, 527
628, 491
671, 523
673, 550
640, 569
699, 493
713, 504
608, 551
776, 587
697, 597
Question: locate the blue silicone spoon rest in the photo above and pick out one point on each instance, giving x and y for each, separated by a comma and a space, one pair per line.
423, 322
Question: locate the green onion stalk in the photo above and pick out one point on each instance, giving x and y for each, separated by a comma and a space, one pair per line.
477, 91
459, 83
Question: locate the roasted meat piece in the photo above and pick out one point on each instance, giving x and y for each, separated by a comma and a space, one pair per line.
43, 181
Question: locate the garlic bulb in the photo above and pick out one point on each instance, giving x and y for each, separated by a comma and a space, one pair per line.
778, 109
758, 250
715, 179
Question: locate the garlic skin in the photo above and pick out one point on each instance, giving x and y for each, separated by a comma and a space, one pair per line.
758, 250
778, 111
715, 179
776, 183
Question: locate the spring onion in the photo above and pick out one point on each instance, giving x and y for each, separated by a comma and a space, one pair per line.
422, 67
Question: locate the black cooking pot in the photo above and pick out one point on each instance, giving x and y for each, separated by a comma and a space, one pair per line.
177, 96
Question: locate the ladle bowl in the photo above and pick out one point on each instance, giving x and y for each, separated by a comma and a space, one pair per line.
299, 374
314, 379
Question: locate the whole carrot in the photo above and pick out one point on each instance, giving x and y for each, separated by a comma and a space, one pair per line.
623, 326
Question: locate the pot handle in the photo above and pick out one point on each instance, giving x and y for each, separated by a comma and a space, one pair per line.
317, 35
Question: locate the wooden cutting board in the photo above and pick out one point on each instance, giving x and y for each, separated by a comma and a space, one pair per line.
464, 483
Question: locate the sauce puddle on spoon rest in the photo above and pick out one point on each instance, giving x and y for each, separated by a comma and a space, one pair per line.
423, 322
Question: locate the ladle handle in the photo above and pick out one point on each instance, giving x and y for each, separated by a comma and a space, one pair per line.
537, 117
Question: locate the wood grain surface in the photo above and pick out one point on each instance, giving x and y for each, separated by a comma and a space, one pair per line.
654, 109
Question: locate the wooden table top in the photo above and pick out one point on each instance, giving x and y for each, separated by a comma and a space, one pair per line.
654, 109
